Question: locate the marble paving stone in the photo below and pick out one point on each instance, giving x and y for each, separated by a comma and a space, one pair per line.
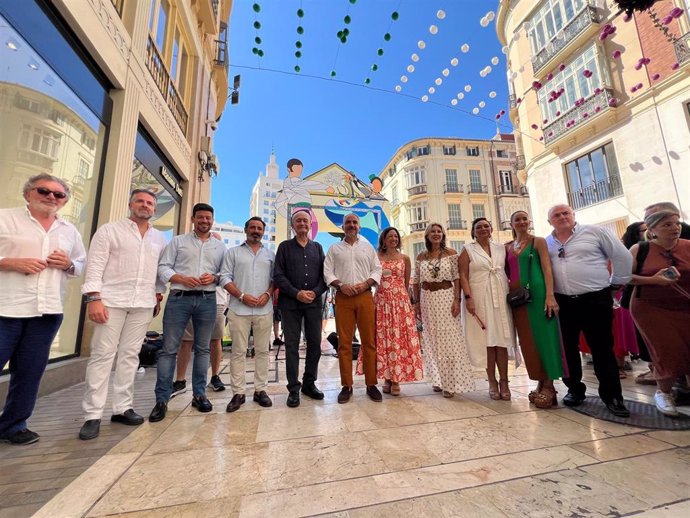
366, 491
541, 429
284, 423
455, 504
315, 460
405, 447
19, 511
518, 402
668, 511
679, 437
433, 409
657, 478
621, 447
209, 473
143, 437
221, 507
607, 427
569, 493
78, 497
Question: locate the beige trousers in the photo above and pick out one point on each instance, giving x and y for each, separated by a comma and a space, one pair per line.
239, 327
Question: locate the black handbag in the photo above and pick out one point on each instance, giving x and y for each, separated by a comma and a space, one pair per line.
522, 295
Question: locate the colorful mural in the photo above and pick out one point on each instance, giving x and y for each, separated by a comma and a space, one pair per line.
330, 194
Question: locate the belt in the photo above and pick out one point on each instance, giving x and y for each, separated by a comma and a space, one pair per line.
435, 286
191, 293
585, 295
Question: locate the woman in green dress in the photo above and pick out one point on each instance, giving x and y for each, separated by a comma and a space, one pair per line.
528, 262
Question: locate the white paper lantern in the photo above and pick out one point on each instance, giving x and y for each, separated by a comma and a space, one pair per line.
488, 69
410, 68
482, 73
494, 60
453, 102
433, 29
421, 44
475, 110
414, 57
482, 104
465, 48
461, 96
454, 62
490, 16
468, 88
403, 79
438, 81
432, 90
492, 94
483, 22
505, 49
425, 98
440, 14
445, 72
398, 88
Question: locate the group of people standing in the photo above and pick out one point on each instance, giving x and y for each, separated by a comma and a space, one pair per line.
461, 303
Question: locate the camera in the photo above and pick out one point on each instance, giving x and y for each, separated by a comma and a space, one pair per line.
671, 273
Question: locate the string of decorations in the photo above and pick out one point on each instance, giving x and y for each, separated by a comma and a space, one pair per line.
342, 35
300, 31
386, 38
257, 50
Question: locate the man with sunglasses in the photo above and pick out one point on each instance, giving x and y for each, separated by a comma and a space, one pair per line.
123, 294
580, 255
39, 252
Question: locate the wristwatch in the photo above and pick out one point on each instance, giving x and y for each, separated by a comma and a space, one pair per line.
241, 297
70, 269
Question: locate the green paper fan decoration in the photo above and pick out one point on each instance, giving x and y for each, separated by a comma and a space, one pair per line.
261, 53
297, 68
367, 81
298, 54
333, 71
256, 8
347, 19
395, 15
300, 30
380, 52
387, 36
374, 67
257, 25
300, 13
298, 44
255, 50
257, 40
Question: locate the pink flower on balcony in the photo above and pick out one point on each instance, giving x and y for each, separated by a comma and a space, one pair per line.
676, 12
541, 138
550, 100
627, 17
613, 102
534, 126
572, 122
639, 86
549, 77
616, 54
597, 109
518, 100
656, 77
666, 20
587, 73
597, 90
550, 134
561, 67
638, 65
498, 116
585, 115
545, 121
503, 112
536, 85
633, 89
645, 61
675, 66
558, 114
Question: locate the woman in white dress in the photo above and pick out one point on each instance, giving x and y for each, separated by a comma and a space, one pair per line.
436, 288
489, 328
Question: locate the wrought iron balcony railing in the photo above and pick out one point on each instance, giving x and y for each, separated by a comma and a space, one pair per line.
453, 187
456, 224
156, 66
477, 188
417, 189
596, 193
578, 115
520, 162
419, 226
507, 189
682, 48
585, 19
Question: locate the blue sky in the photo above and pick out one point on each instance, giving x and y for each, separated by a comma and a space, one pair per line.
322, 120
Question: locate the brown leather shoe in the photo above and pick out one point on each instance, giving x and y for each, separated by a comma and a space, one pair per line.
345, 394
262, 398
374, 394
235, 403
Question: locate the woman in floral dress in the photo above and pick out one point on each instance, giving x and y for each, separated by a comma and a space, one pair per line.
398, 358
437, 292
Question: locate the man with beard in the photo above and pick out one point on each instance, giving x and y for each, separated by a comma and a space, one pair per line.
353, 269
299, 276
39, 252
123, 295
191, 263
247, 275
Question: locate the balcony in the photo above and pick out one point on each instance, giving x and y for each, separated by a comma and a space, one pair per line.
419, 226
578, 26
505, 225
523, 190
416, 189
596, 193
155, 64
579, 115
456, 224
208, 14
682, 48
477, 189
507, 189
453, 187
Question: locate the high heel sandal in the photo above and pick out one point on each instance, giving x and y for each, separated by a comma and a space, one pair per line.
505, 392
448, 394
534, 393
395, 389
493, 390
386, 387
436, 388
547, 398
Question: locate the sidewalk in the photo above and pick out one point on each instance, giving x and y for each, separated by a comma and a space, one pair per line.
418, 454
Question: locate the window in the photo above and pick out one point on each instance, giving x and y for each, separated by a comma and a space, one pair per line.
475, 180
454, 216
178, 65
417, 212
451, 180
394, 193
478, 211
418, 248
574, 84
457, 245
266, 203
550, 19
593, 178
506, 178
472, 151
412, 153
39, 141
415, 176
160, 9
449, 150
426, 150
501, 153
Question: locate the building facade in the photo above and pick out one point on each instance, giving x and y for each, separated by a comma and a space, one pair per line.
452, 181
231, 235
601, 106
263, 200
110, 95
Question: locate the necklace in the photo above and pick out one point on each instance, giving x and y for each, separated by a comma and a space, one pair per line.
434, 266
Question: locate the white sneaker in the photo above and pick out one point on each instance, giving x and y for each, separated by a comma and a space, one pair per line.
665, 404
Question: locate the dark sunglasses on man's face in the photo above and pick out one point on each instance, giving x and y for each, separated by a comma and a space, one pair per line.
59, 195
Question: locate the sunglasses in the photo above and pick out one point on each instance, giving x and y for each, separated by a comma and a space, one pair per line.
59, 195
561, 252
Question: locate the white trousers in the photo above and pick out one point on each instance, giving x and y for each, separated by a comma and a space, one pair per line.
122, 334
239, 327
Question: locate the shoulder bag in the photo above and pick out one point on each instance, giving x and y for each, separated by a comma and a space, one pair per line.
522, 295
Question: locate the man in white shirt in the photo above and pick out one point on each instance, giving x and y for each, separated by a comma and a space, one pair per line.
353, 269
122, 295
39, 251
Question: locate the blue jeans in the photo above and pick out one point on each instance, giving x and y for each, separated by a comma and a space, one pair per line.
25, 343
178, 310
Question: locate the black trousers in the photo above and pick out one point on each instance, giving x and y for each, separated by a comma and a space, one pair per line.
292, 327
591, 314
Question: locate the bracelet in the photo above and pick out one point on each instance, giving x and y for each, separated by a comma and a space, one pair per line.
91, 298
241, 297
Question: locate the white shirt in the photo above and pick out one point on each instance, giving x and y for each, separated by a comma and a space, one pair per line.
123, 265
21, 235
351, 264
251, 273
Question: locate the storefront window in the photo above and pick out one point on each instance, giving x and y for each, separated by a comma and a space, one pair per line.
46, 127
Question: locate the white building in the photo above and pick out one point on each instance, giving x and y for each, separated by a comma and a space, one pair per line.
263, 200
231, 235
